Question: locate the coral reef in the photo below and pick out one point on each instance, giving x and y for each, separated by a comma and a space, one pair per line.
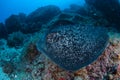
3, 31
66, 18
3, 76
3, 44
78, 27
106, 67
31, 52
7, 67
69, 18
43, 14
15, 22
33, 22
16, 39
9, 54
109, 8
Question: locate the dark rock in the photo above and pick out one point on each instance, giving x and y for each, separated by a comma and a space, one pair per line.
7, 67
109, 8
31, 27
16, 39
33, 22
86, 11
112, 70
43, 14
69, 19
66, 18
14, 23
30, 53
3, 31
82, 10
73, 46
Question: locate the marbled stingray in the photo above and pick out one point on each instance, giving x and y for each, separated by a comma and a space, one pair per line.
73, 46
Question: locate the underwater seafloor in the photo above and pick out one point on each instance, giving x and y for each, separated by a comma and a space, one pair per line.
21, 60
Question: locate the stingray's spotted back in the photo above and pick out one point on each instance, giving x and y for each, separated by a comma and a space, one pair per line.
73, 46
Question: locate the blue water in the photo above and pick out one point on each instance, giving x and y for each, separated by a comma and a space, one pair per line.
8, 7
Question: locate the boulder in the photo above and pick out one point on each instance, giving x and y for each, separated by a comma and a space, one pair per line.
16, 39
82, 10
43, 14
40, 16
109, 8
14, 23
3, 31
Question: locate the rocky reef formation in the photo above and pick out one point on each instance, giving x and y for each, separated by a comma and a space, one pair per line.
43, 14
3, 31
33, 22
13, 40
105, 67
73, 35
15, 22
109, 8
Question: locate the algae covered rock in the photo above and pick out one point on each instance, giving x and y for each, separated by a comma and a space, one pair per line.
3, 31
73, 46
66, 18
109, 8
16, 39
40, 16
43, 14
15, 23
74, 8
3, 76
